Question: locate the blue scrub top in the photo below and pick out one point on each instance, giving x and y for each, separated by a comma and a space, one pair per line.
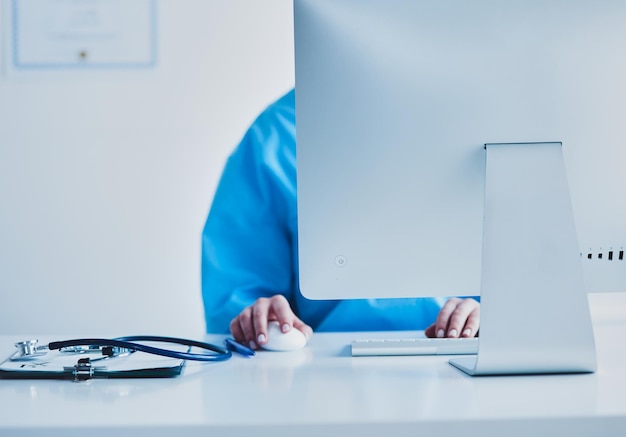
249, 242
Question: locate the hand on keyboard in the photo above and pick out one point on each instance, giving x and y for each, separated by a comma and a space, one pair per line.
457, 318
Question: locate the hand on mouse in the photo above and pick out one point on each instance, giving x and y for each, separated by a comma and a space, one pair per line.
250, 326
457, 318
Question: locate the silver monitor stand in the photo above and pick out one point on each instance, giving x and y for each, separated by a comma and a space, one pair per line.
531, 271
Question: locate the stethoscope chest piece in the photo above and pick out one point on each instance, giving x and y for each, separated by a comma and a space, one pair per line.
27, 349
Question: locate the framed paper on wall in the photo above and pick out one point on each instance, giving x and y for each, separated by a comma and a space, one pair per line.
69, 34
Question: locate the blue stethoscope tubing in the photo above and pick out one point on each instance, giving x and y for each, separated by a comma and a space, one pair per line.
129, 342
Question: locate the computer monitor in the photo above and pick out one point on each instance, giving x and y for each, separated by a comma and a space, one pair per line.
452, 147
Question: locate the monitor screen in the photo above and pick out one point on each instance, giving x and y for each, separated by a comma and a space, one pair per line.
395, 101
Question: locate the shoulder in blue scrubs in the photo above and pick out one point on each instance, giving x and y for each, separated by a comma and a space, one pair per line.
249, 242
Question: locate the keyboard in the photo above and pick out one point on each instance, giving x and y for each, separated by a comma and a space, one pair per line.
414, 346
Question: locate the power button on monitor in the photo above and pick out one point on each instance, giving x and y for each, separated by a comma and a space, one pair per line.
341, 261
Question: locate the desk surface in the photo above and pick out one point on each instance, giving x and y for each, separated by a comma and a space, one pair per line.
322, 390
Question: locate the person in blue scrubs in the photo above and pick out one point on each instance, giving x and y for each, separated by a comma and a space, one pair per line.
249, 253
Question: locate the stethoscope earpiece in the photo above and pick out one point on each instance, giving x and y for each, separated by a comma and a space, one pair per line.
122, 346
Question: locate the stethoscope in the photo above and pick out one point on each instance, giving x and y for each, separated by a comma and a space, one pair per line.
121, 346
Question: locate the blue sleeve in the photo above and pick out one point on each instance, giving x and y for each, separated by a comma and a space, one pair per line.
246, 243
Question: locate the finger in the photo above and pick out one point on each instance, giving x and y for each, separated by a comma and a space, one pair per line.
443, 318
235, 330
260, 311
459, 317
431, 331
246, 327
303, 327
472, 324
281, 311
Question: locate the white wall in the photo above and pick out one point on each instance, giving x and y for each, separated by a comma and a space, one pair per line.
106, 177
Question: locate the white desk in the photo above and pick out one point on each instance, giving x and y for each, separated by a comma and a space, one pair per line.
322, 391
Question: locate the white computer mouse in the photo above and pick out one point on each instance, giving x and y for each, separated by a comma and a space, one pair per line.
283, 341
